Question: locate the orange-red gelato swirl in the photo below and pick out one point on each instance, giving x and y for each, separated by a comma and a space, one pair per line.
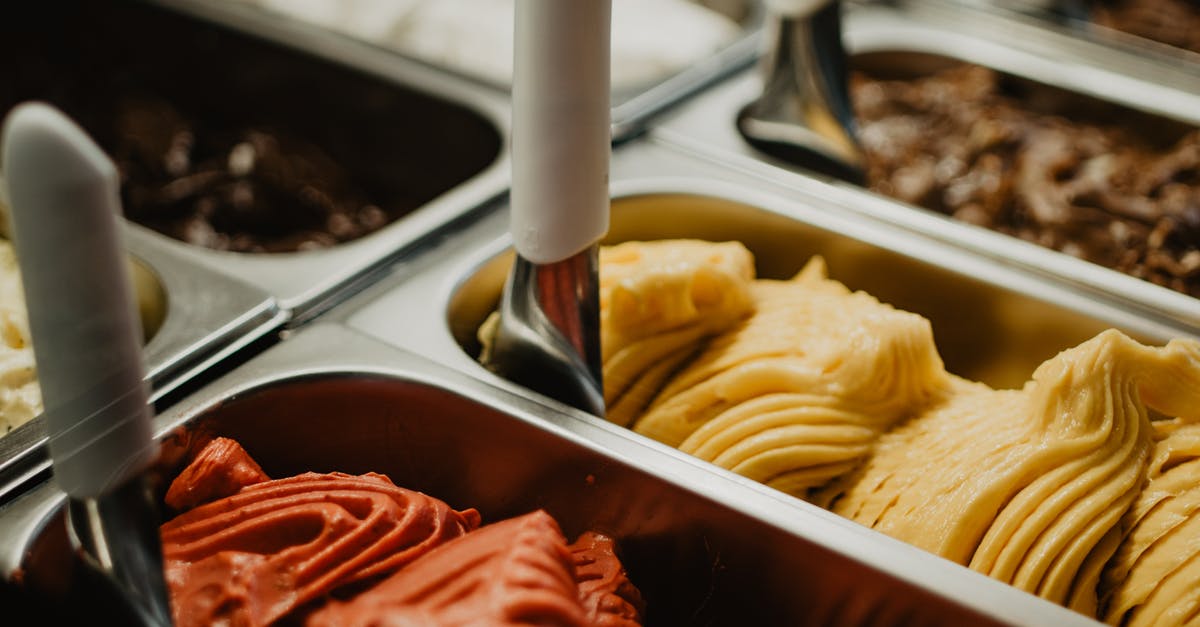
255, 556
515, 572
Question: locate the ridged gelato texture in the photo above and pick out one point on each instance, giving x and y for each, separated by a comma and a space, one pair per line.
1056, 488
250, 550
1154, 577
796, 379
20, 396
1031, 484
515, 572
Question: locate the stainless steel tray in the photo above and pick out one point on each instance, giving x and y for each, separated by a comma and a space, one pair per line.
992, 322
631, 107
206, 317
415, 136
1074, 23
706, 548
705, 127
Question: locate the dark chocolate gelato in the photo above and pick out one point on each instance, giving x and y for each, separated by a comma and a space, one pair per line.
1078, 176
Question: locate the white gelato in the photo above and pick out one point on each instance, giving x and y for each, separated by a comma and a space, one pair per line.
20, 397
651, 39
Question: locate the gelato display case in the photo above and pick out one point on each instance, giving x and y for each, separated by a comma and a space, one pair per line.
316, 200
702, 548
994, 326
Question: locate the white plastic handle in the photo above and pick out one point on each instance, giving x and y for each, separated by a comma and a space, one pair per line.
561, 136
64, 198
795, 8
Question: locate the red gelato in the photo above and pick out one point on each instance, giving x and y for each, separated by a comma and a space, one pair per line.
252, 550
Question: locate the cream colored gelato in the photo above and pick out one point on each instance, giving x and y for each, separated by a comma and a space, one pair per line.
1056, 488
20, 397
1154, 577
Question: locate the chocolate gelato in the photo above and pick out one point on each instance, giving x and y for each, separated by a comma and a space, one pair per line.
1108, 185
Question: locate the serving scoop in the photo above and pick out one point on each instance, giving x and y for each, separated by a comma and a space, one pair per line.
804, 115
548, 334
64, 201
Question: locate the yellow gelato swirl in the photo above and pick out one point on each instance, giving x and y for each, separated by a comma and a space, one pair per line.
658, 301
1028, 483
1154, 577
1057, 488
796, 394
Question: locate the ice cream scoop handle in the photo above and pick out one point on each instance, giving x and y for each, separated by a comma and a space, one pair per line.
561, 134
64, 197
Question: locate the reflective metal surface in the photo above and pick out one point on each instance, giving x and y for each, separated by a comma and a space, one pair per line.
705, 547
803, 114
117, 536
632, 107
206, 315
992, 322
547, 333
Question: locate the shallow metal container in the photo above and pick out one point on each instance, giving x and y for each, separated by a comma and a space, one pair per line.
705, 548
991, 322
930, 33
197, 317
414, 138
1061, 18
630, 106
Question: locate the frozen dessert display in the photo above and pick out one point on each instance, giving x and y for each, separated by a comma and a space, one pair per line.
20, 396
1085, 179
1056, 488
652, 39
1172, 22
336, 549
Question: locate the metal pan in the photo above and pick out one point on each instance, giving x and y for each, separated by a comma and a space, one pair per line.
426, 147
1077, 19
992, 322
632, 103
705, 548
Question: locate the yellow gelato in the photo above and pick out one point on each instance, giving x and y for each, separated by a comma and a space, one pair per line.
1154, 577
832, 396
